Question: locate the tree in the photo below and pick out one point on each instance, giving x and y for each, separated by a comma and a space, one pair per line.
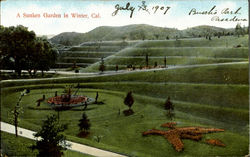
129, 100
156, 64
47, 55
52, 142
208, 33
102, 66
15, 45
124, 38
17, 110
239, 30
165, 61
156, 36
20, 49
169, 107
96, 97
116, 68
146, 60
84, 124
142, 35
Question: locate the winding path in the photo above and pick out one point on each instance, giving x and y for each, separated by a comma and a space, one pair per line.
74, 146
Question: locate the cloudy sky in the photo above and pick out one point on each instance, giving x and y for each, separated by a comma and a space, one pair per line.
176, 17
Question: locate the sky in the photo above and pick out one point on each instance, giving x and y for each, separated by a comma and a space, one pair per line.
12, 14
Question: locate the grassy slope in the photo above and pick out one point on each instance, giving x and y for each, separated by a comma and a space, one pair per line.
90, 52
215, 52
223, 74
218, 50
170, 61
229, 41
12, 146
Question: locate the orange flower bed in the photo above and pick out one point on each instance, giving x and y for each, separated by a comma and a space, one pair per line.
169, 124
215, 142
175, 135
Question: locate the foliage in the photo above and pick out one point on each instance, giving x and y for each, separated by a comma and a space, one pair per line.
102, 66
52, 142
16, 146
98, 138
84, 123
169, 105
146, 59
22, 50
129, 100
170, 108
239, 30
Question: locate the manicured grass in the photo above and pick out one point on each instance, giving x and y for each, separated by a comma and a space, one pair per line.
170, 61
92, 51
86, 54
122, 132
110, 43
222, 74
97, 48
235, 96
79, 60
11, 75
216, 52
12, 146
230, 41
19, 146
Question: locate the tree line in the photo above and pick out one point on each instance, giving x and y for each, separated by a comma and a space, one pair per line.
21, 49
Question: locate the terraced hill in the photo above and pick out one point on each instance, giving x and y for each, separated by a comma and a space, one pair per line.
179, 52
89, 52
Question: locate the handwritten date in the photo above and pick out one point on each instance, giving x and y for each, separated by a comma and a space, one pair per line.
142, 7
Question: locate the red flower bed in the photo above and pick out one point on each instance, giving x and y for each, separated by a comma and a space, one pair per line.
59, 100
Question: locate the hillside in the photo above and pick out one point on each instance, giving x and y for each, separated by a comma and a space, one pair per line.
135, 32
200, 31
67, 38
107, 33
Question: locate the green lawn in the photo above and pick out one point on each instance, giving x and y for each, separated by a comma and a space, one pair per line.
122, 63
201, 50
223, 74
216, 52
120, 132
229, 41
19, 146
170, 61
92, 54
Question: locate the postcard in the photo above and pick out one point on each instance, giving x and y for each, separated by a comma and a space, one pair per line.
113, 78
